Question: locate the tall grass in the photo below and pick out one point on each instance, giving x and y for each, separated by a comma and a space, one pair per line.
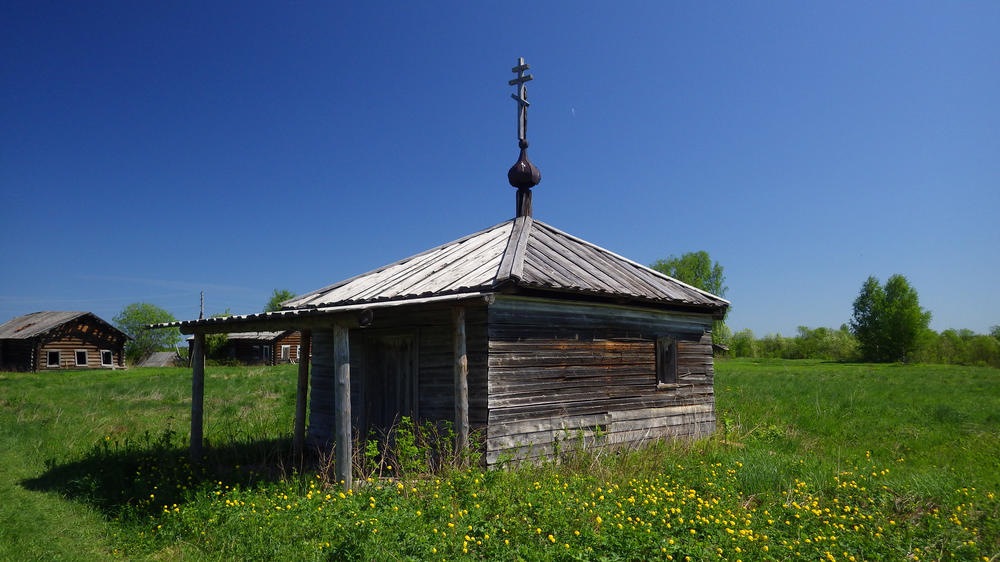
810, 460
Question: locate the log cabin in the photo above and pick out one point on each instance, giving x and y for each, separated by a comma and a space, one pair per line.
521, 331
54, 340
260, 348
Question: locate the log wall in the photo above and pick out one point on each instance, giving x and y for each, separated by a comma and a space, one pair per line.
67, 348
560, 374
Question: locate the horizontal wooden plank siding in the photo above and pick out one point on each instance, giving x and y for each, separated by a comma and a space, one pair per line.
436, 389
67, 348
564, 374
430, 327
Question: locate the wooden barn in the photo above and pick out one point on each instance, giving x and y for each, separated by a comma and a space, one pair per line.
521, 331
45, 341
261, 348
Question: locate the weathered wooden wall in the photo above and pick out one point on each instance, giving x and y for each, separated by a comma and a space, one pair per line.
17, 355
431, 332
565, 372
541, 372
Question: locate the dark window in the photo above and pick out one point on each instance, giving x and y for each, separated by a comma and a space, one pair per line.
107, 358
666, 360
81, 358
52, 359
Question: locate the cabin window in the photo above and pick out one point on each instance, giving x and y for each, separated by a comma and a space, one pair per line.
298, 352
107, 358
267, 352
286, 353
255, 351
666, 361
52, 359
81, 358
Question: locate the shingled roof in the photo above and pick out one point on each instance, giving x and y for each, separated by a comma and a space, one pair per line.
39, 323
521, 253
34, 324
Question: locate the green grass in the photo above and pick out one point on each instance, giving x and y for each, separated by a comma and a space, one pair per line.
811, 460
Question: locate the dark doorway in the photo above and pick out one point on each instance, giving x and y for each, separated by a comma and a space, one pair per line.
390, 386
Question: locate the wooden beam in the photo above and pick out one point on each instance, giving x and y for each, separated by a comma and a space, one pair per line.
197, 396
461, 381
301, 394
276, 322
342, 404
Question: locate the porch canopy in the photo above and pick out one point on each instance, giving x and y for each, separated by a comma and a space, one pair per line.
338, 320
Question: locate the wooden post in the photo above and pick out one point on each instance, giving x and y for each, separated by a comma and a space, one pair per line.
342, 403
301, 394
461, 381
197, 395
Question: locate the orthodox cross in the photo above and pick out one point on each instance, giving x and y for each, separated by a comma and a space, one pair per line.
521, 97
523, 174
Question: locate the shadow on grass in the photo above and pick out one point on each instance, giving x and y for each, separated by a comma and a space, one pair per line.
142, 476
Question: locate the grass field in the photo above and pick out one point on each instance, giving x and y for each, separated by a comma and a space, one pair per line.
811, 461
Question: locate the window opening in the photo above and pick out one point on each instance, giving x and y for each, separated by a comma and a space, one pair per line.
666, 361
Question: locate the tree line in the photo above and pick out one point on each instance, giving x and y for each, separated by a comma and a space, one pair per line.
956, 347
134, 318
887, 325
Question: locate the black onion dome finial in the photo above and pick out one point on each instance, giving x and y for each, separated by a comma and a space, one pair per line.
523, 174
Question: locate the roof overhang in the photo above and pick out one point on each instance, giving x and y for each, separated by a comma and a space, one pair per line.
355, 315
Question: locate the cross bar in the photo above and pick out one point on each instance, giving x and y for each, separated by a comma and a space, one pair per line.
521, 80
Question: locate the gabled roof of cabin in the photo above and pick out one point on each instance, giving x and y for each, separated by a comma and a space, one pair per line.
519, 254
38, 323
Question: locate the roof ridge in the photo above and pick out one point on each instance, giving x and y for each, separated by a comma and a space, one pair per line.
512, 263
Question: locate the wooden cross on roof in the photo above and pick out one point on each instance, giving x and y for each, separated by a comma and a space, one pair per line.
521, 97
523, 174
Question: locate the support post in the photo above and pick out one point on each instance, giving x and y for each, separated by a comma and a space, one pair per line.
342, 404
461, 381
301, 394
197, 395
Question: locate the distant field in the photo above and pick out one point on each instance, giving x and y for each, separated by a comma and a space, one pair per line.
811, 460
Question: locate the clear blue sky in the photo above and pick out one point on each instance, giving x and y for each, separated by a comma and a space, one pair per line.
151, 150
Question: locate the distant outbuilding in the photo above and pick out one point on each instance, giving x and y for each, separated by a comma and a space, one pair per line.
261, 348
54, 340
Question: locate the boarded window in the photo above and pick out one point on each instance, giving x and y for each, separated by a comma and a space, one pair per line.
81, 358
107, 358
52, 359
666, 360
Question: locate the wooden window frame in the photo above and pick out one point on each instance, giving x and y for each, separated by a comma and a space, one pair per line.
48, 359
666, 362
286, 353
111, 361
76, 357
